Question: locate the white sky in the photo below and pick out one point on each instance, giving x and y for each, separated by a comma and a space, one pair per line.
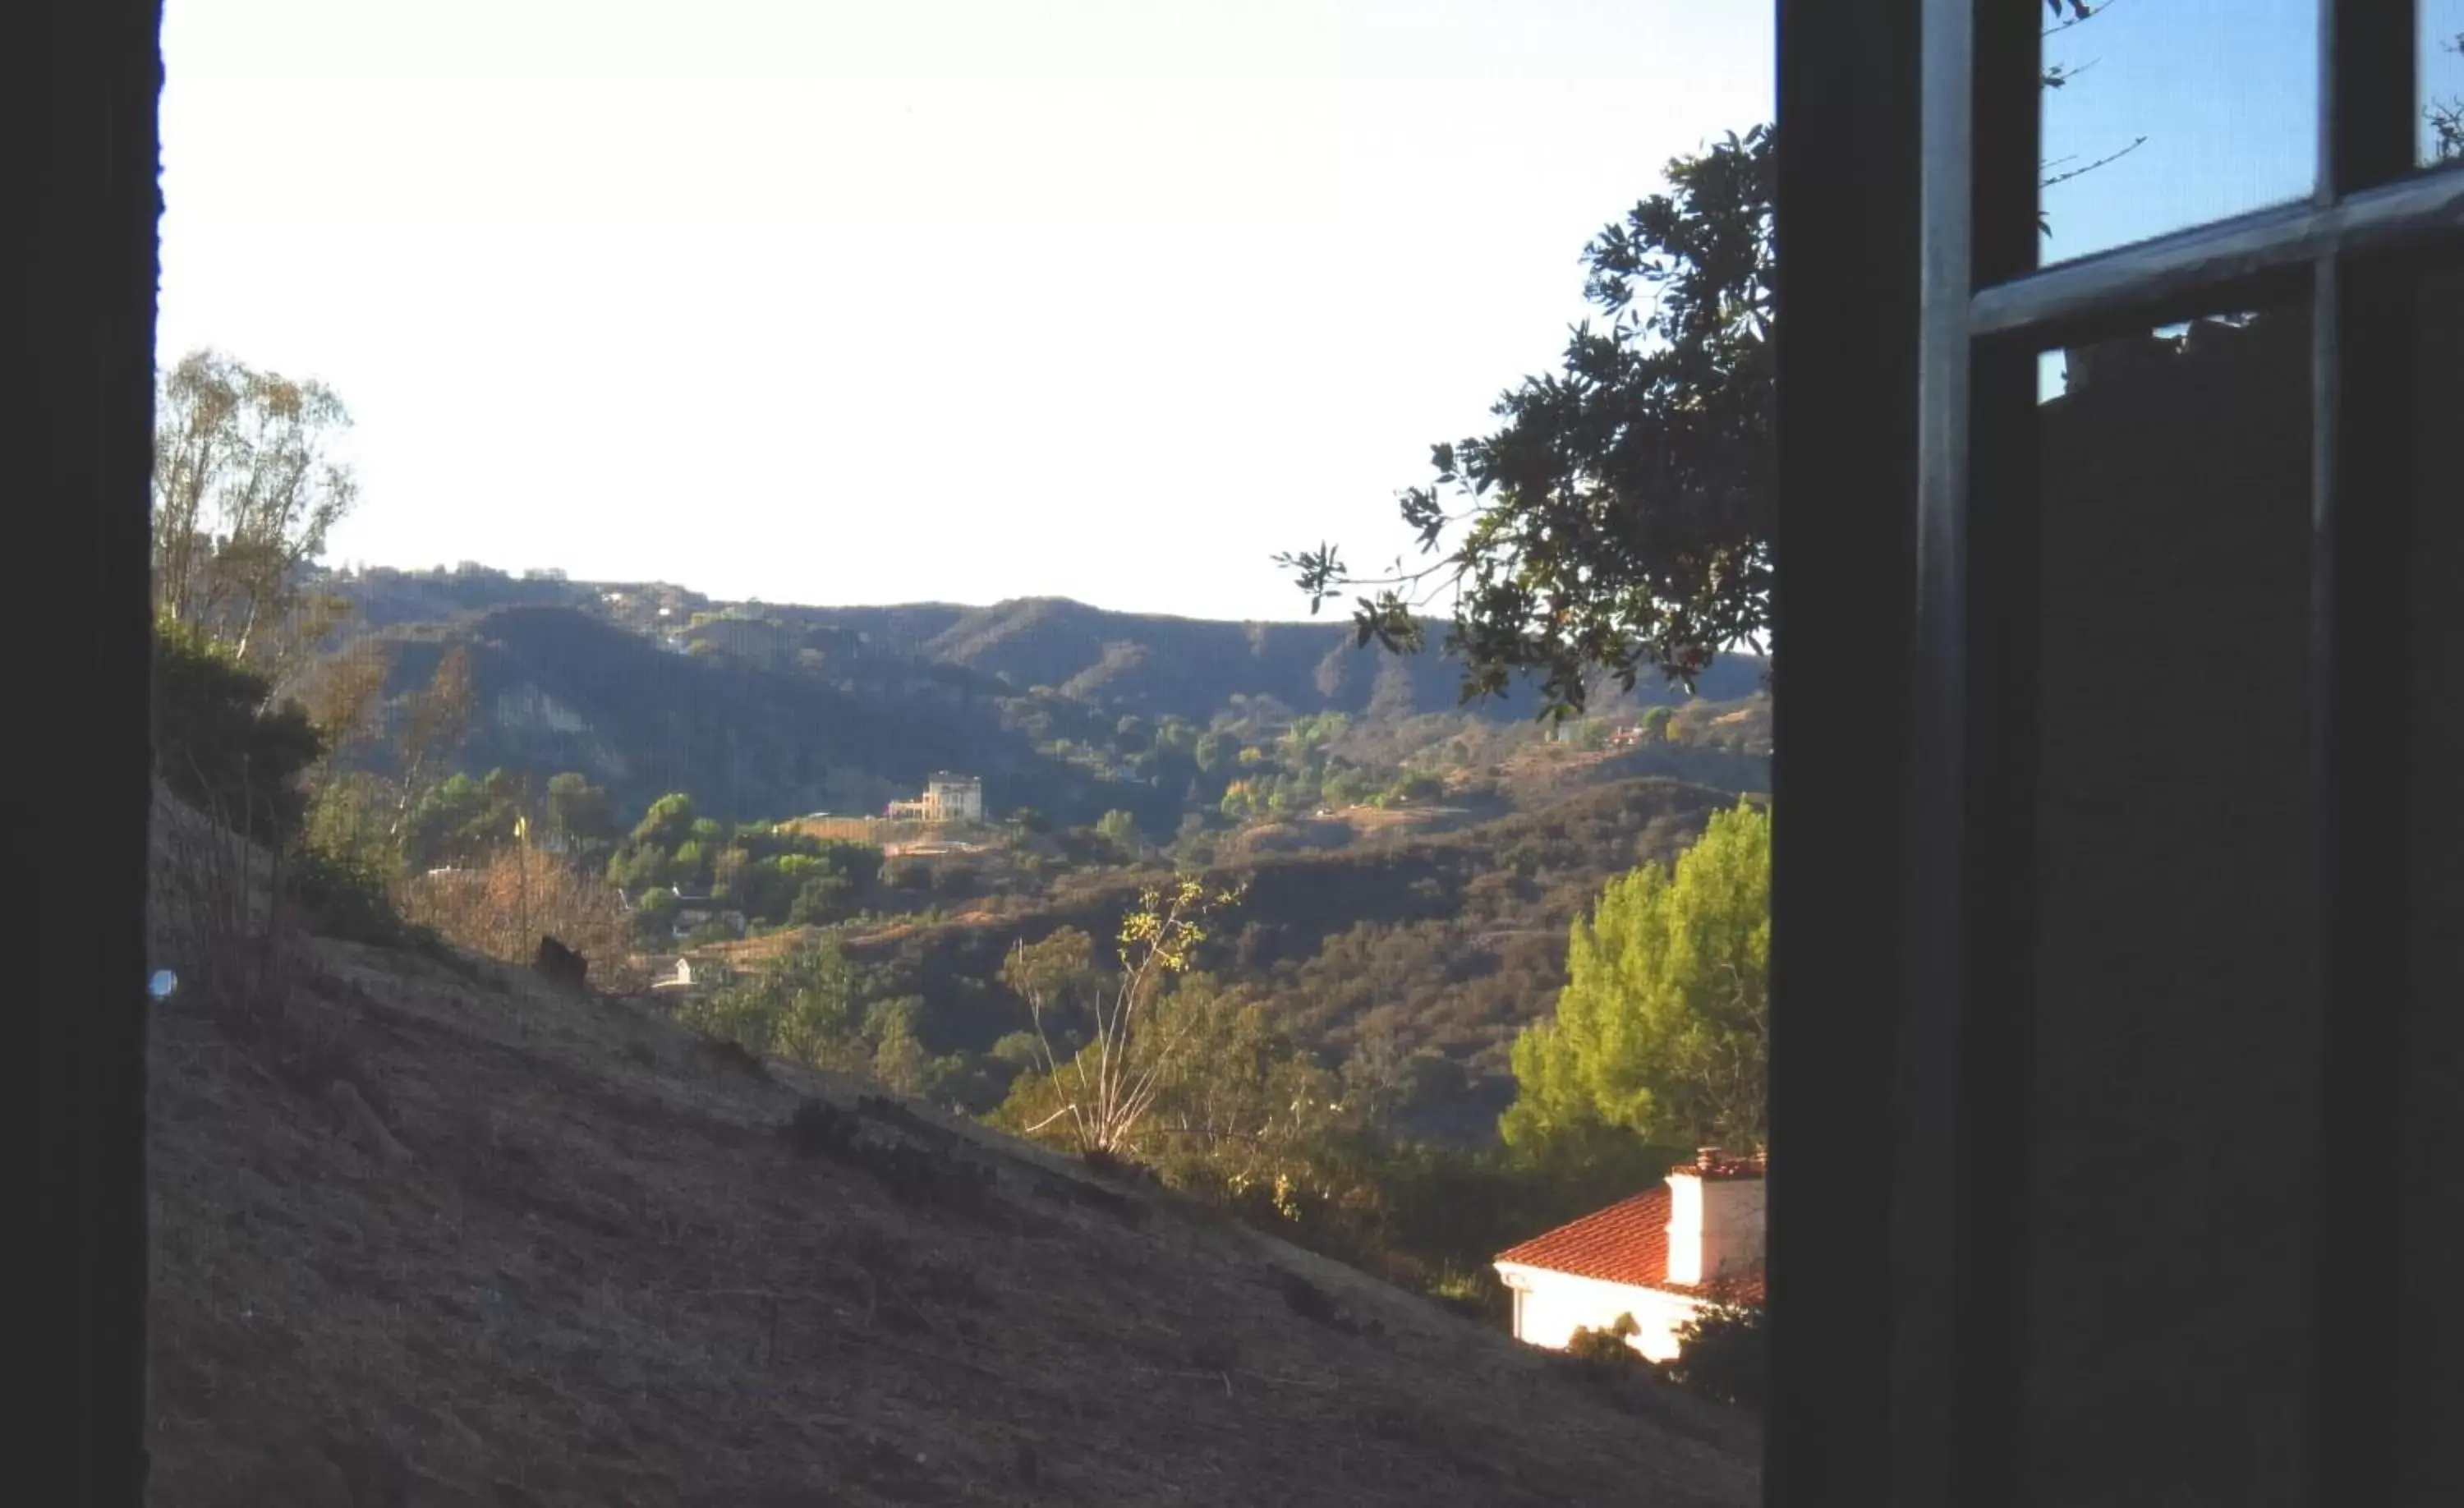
913, 299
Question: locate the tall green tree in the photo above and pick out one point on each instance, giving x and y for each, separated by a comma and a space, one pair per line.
1120, 829
1663, 1028
218, 745
807, 1007
1215, 751
581, 815
456, 823
668, 822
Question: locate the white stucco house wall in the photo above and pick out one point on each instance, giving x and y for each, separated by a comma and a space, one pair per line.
954, 799
1659, 1257
947, 799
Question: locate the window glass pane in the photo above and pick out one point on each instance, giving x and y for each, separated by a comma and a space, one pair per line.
2175, 1097
2442, 80
2163, 113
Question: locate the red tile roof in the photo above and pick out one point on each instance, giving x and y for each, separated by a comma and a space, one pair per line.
1625, 1243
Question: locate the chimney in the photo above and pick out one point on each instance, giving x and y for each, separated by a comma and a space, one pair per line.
1715, 1216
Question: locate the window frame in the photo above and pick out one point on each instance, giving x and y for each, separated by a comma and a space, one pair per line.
1943, 308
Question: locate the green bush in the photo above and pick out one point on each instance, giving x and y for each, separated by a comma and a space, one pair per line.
654, 912
219, 747
1606, 1351
1724, 1352
344, 897
820, 900
1475, 1296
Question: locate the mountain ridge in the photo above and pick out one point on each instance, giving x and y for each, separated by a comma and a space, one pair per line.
765, 710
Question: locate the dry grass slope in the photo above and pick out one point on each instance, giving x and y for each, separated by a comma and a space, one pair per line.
592, 1270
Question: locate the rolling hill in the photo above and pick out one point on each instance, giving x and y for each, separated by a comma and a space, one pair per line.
767, 711
563, 689
1190, 668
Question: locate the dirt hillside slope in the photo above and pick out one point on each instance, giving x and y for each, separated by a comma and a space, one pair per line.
581, 1262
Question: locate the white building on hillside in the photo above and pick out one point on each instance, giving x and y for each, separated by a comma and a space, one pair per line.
954, 799
1657, 1257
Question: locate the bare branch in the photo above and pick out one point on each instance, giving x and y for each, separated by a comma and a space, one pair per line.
2080, 13
2113, 157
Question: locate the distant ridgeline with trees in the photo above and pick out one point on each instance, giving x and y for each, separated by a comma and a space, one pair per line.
761, 712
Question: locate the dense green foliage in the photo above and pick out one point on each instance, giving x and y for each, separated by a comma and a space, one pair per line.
1725, 1351
218, 744
1120, 829
1620, 517
1606, 1350
460, 820
1662, 1030
221, 748
1066, 709
580, 818
772, 874
816, 1007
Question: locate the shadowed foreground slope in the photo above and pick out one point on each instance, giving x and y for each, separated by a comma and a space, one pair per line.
594, 1271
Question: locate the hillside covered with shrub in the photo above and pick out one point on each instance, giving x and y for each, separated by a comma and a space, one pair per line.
1425, 953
